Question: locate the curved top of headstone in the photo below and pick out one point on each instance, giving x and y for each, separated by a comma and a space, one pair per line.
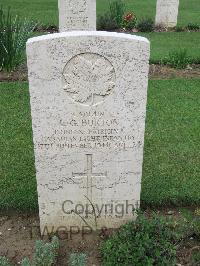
88, 33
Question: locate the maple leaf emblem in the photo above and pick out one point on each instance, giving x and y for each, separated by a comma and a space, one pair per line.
79, 7
89, 78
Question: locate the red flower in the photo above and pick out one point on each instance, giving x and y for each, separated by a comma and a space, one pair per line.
129, 17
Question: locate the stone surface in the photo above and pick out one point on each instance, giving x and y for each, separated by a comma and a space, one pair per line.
88, 99
167, 13
77, 15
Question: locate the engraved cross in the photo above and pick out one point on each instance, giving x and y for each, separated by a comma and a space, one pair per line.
89, 175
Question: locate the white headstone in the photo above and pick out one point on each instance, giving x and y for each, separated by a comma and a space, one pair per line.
88, 100
77, 15
167, 13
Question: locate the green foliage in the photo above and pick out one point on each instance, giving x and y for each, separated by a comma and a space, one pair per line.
4, 261
106, 22
117, 11
25, 262
13, 36
177, 59
143, 242
193, 26
116, 17
146, 25
195, 225
179, 29
112, 19
45, 254
76, 259
193, 221
195, 257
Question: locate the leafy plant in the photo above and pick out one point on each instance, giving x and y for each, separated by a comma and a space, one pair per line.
106, 22
177, 59
117, 11
143, 242
116, 17
25, 262
179, 29
146, 25
45, 254
76, 259
193, 26
196, 227
4, 261
195, 256
13, 36
193, 221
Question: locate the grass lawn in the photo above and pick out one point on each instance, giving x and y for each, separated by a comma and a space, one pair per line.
171, 161
164, 42
46, 11
171, 170
17, 172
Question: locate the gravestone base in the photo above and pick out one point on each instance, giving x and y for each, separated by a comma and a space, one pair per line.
89, 219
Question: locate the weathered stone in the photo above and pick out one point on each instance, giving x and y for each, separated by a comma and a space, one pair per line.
77, 15
167, 13
88, 100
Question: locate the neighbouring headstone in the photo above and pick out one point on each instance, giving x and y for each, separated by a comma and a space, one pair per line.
77, 15
88, 95
167, 13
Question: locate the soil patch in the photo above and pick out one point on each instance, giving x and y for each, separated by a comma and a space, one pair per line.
155, 72
166, 72
15, 236
19, 231
20, 74
54, 29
